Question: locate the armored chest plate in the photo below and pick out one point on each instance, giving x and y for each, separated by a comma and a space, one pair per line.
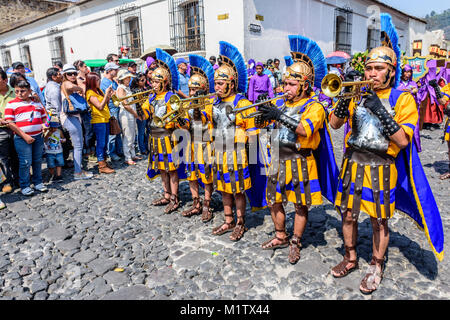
368, 131
285, 136
160, 108
224, 121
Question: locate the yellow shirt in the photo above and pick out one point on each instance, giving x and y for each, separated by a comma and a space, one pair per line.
406, 116
446, 90
98, 116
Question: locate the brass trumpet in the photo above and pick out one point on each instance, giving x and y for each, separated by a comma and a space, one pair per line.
332, 86
180, 107
117, 101
254, 114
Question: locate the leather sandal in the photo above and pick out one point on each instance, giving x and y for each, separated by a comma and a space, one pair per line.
341, 270
284, 242
294, 250
162, 201
238, 231
373, 276
217, 231
207, 211
195, 209
173, 205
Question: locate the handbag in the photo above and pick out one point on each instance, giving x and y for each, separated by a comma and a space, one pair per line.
114, 126
74, 104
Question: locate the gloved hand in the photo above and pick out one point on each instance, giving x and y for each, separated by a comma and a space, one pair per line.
373, 103
197, 114
269, 112
262, 97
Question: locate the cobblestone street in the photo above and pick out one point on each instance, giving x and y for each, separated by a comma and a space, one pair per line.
101, 239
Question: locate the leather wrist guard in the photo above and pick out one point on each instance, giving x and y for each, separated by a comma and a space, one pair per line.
389, 124
289, 122
341, 110
447, 110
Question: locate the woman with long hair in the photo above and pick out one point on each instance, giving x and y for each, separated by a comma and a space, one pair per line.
98, 102
72, 122
89, 139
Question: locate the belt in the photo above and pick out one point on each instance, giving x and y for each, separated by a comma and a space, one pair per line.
368, 158
160, 132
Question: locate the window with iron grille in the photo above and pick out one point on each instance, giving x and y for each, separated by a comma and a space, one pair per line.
373, 38
25, 54
6, 57
187, 25
343, 18
129, 30
56, 41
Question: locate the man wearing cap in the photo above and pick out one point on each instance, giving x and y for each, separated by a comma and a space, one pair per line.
132, 68
115, 142
184, 78
20, 67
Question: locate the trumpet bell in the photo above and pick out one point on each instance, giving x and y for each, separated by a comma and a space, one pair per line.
331, 85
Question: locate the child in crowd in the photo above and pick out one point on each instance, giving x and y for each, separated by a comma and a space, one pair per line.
53, 140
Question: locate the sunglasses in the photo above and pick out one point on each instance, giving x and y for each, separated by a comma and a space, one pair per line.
116, 60
71, 74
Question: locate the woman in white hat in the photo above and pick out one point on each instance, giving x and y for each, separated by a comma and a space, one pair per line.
72, 122
127, 117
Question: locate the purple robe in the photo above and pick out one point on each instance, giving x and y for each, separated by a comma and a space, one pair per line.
259, 84
409, 86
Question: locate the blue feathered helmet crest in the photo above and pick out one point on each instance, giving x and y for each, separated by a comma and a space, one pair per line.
389, 51
233, 67
202, 73
166, 61
309, 61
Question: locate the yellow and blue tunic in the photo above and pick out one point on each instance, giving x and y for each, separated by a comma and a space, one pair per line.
446, 93
294, 178
231, 171
162, 144
370, 188
200, 158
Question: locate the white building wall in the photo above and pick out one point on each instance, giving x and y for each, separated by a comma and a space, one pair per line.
230, 30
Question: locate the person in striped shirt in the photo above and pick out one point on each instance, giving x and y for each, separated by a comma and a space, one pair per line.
29, 116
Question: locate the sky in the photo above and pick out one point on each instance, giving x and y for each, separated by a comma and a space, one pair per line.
419, 8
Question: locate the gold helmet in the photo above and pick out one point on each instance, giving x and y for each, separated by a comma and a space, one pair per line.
198, 81
389, 51
226, 73
301, 70
382, 54
162, 75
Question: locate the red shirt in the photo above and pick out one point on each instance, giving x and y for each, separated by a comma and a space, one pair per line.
28, 116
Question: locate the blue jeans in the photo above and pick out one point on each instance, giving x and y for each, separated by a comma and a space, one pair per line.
115, 142
30, 155
142, 136
55, 160
101, 131
73, 125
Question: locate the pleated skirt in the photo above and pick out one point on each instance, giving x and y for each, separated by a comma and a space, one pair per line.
367, 186
231, 173
200, 162
295, 181
163, 154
